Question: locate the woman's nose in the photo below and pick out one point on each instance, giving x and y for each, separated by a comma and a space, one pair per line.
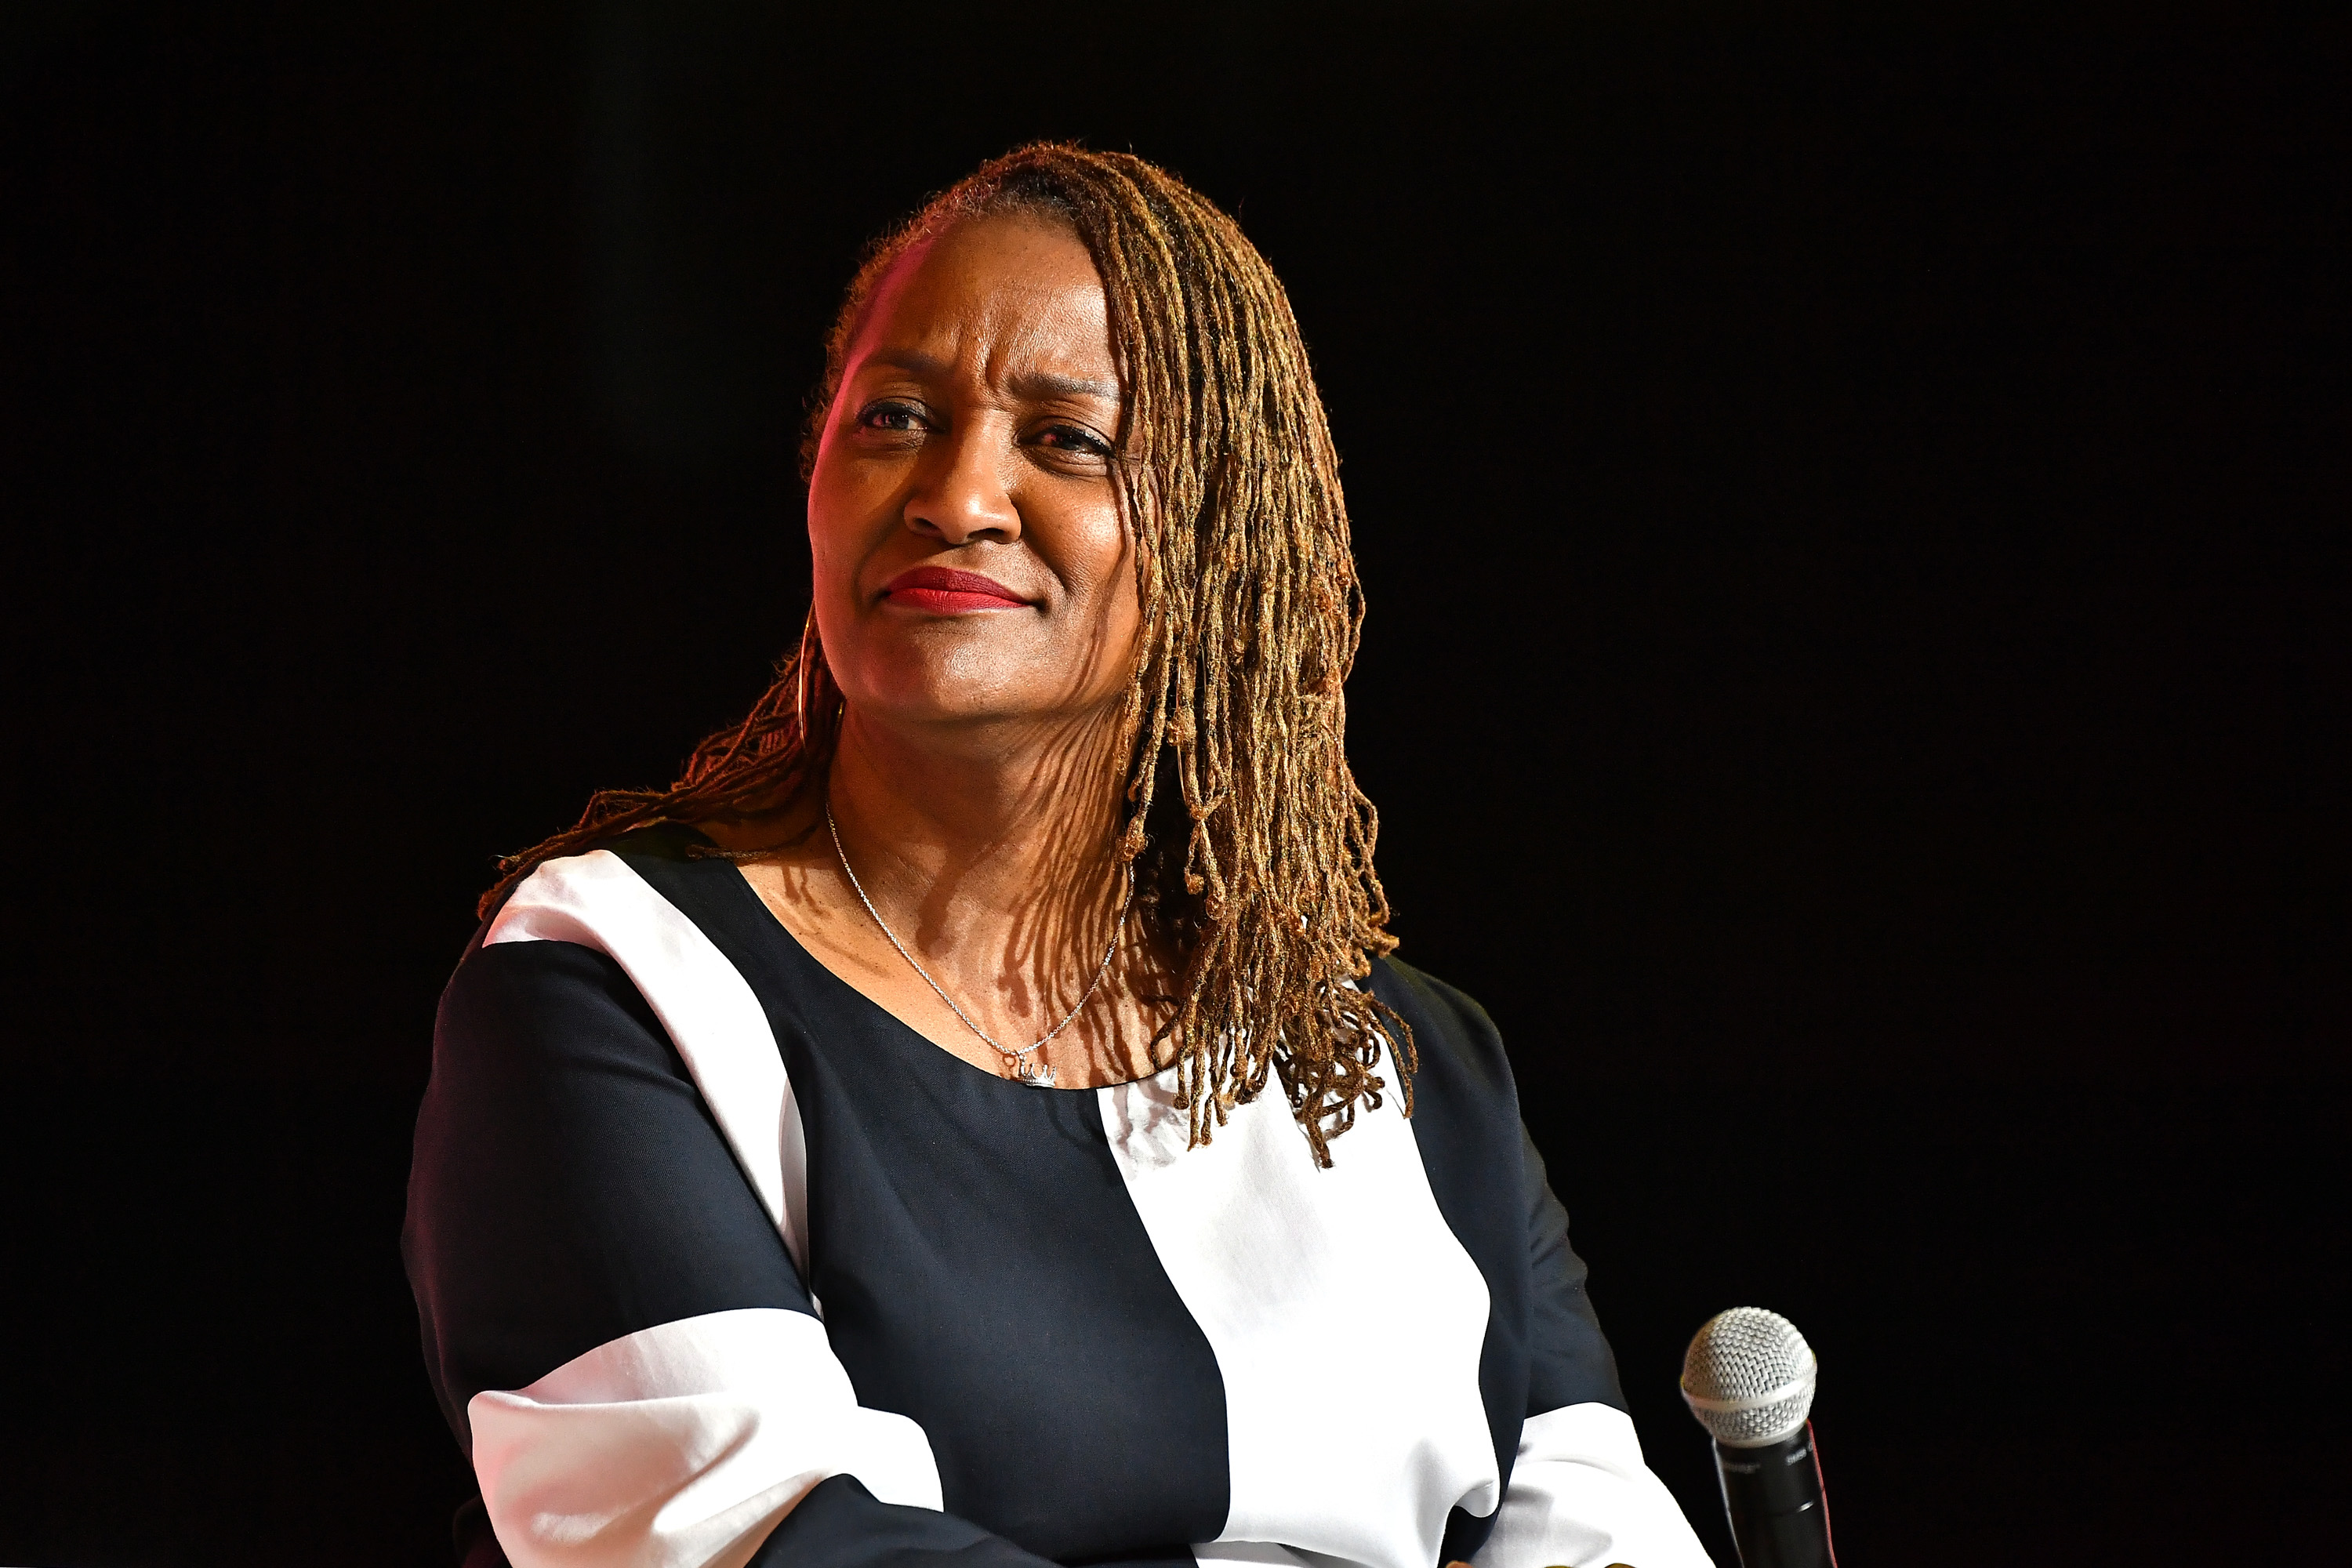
964, 496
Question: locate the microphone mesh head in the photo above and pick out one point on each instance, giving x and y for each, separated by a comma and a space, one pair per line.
1748, 1377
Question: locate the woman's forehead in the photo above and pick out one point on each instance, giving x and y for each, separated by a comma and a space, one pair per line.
1011, 288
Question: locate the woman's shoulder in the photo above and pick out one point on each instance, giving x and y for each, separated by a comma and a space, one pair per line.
643, 904
596, 873
576, 899
1458, 1047
1465, 1123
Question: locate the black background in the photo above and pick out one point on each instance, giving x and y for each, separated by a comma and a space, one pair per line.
1853, 513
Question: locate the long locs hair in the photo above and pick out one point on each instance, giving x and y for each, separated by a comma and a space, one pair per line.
1251, 844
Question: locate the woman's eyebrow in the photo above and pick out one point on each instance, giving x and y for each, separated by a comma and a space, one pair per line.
1036, 384
914, 362
1043, 384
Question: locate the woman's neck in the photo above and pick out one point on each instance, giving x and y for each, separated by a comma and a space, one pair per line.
1004, 834
995, 866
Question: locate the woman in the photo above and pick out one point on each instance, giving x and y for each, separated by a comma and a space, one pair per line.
972, 1116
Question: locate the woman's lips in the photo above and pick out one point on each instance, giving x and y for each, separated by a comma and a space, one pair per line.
946, 593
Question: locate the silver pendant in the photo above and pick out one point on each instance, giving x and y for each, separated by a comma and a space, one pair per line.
1036, 1075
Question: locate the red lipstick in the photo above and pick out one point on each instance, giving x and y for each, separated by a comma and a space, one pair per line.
942, 592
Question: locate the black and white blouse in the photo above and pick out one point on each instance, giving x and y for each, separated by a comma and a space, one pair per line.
718, 1263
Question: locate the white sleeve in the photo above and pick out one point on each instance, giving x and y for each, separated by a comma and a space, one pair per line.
683, 1446
1581, 1496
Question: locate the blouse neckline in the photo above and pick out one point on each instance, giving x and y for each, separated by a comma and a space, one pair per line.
797, 952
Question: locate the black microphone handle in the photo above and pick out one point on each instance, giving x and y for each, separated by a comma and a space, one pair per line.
1779, 1516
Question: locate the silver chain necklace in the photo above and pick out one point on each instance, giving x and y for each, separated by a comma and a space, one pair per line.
1037, 1075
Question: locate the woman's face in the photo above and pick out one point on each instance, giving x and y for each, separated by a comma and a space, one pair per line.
971, 561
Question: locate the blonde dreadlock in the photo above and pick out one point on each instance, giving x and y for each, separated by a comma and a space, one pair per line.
1261, 866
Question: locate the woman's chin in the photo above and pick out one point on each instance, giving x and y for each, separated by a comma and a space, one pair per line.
946, 716
952, 706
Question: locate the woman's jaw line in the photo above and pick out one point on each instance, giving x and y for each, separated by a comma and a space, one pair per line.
976, 779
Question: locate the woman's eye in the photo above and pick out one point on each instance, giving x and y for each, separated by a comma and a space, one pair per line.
891, 416
1072, 438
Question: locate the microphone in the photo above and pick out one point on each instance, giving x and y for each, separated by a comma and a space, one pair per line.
1748, 1378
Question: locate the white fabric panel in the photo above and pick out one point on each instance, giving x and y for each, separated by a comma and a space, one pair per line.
682, 1446
1355, 1265
1255, 1554
1581, 1496
708, 1007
